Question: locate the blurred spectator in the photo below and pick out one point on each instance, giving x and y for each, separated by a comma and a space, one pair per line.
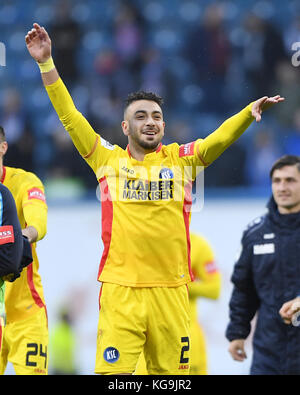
129, 26
152, 74
67, 163
261, 156
292, 140
105, 94
65, 33
263, 49
208, 49
292, 34
179, 131
229, 169
106, 63
63, 346
288, 81
15, 122
118, 68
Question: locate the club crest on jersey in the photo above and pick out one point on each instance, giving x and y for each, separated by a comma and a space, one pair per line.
111, 354
166, 174
187, 149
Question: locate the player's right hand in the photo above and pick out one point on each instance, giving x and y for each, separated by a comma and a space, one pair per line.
237, 349
288, 309
38, 43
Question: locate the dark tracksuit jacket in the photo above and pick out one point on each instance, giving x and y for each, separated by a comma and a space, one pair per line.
266, 275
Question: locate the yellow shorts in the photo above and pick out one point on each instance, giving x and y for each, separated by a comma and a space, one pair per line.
153, 320
25, 345
198, 362
198, 350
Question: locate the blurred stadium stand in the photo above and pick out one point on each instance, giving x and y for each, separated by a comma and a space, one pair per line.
207, 59
169, 47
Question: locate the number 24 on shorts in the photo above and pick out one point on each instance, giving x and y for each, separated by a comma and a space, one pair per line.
35, 350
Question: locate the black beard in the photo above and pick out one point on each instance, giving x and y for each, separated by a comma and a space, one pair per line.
148, 145
151, 145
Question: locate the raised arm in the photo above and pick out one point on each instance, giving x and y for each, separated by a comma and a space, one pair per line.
39, 46
83, 136
217, 142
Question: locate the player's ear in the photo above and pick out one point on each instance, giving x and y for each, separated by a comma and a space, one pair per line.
3, 148
125, 127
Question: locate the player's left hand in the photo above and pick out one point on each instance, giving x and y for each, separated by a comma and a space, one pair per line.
264, 104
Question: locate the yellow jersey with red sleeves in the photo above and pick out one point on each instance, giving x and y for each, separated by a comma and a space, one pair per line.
207, 278
25, 296
145, 204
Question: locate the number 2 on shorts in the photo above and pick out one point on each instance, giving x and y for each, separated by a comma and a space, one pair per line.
184, 348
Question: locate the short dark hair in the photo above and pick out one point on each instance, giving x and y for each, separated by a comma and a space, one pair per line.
142, 95
286, 160
2, 135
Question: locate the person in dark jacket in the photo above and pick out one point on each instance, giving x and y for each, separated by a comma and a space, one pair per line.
15, 250
266, 275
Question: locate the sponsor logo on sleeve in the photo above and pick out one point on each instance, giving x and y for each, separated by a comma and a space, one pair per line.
36, 193
7, 234
187, 149
211, 267
106, 144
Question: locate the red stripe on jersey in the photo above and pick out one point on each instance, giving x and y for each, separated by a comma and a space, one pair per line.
93, 149
200, 156
187, 205
100, 293
107, 218
36, 297
3, 174
159, 147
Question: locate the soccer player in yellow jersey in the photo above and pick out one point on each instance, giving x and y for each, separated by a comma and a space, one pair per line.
207, 283
145, 200
25, 338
